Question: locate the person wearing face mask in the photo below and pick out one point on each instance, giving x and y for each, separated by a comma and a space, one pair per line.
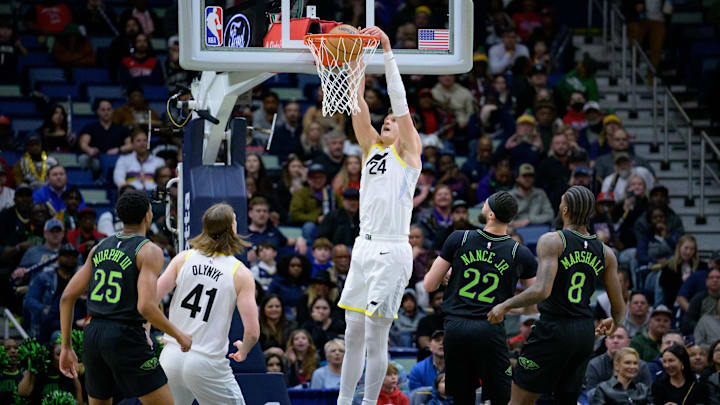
575, 116
678, 385
623, 387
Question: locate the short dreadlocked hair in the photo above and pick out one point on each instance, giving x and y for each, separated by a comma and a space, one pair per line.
581, 204
132, 206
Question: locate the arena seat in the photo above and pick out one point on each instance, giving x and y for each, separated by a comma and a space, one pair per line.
91, 75
10, 157
17, 108
290, 231
105, 92
532, 233
53, 75
10, 91
155, 92
305, 396
24, 125
421, 395
94, 196
60, 91
79, 177
65, 159
37, 59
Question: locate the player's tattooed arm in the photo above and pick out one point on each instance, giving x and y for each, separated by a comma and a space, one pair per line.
617, 303
549, 248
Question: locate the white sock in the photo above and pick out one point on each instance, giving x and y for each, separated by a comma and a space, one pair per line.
354, 359
376, 340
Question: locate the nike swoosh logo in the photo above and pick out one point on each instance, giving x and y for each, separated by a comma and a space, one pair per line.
384, 253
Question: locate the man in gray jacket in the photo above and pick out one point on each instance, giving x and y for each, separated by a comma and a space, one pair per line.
600, 368
533, 204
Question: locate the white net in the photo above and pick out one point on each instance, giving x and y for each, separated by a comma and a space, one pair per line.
341, 70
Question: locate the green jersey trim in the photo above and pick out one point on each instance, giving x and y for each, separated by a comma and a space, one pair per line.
583, 236
141, 245
562, 236
492, 238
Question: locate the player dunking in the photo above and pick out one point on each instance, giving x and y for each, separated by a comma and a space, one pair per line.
210, 282
560, 345
120, 276
382, 257
486, 267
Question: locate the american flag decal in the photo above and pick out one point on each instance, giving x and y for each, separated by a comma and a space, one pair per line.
434, 39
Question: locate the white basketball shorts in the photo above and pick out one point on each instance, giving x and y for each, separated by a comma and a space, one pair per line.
379, 272
194, 375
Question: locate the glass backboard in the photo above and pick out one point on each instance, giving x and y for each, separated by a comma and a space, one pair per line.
428, 36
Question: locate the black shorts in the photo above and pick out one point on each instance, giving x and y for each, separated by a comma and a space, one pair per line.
476, 349
555, 357
117, 358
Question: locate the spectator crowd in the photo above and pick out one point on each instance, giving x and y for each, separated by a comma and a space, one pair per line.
528, 118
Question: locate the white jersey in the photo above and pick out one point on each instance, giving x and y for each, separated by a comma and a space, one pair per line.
387, 187
204, 301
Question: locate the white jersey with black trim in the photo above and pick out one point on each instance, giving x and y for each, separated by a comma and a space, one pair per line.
204, 301
387, 187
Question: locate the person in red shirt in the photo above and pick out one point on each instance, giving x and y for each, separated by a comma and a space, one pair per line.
390, 394
575, 115
48, 17
528, 20
432, 120
85, 236
141, 67
526, 323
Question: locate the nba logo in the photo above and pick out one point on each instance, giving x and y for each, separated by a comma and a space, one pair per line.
213, 26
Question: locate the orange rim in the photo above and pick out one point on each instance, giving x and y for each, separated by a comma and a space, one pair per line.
326, 59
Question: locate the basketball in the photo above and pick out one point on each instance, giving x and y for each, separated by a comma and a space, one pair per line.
344, 49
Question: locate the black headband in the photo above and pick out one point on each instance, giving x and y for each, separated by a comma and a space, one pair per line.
491, 204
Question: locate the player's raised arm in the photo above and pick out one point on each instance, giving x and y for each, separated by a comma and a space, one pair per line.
364, 132
612, 286
149, 261
408, 136
77, 285
549, 249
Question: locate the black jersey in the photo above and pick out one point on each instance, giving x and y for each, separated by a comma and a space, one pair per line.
113, 291
485, 271
9, 382
579, 266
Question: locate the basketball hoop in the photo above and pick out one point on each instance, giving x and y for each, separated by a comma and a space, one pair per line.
341, 70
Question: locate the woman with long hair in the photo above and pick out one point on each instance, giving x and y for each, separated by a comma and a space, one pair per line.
711, 375
349, 174
632, 208
274, 325
678, 385
56, 135
620, 389
293, 274
322, 326
302, 357
255, 168
311, 143
684, 262
292, 179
